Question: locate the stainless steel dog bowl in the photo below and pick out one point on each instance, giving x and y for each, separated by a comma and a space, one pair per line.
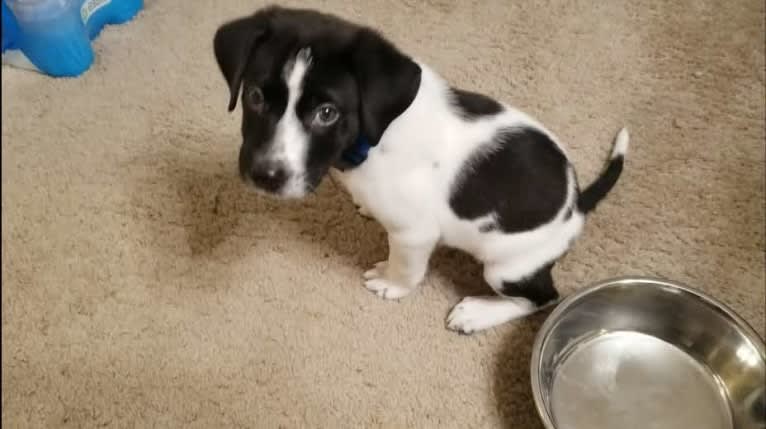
640, 353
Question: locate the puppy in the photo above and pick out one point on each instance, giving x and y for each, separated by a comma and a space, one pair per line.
435, 165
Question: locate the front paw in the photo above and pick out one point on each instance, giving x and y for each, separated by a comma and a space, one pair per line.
377, 282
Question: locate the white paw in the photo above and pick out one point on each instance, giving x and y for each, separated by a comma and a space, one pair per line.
386, 289
474, 314
465, 317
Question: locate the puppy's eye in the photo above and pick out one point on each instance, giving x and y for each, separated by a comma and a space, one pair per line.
254, 98
325, 115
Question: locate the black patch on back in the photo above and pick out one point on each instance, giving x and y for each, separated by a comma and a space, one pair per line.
521, 179
568, 214
537, 288
473, 105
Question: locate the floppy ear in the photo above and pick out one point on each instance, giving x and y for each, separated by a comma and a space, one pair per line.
387, 79
233, 44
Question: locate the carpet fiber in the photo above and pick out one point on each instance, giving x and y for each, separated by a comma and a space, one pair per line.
144, 286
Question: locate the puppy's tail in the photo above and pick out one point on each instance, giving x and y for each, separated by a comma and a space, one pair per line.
593, 194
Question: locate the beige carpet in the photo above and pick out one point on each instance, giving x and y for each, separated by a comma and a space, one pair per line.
144, 287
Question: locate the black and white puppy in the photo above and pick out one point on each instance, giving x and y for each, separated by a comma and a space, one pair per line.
433, 164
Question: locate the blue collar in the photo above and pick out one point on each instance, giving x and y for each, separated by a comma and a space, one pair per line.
356, 154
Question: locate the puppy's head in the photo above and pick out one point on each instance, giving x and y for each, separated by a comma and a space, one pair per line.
311, 85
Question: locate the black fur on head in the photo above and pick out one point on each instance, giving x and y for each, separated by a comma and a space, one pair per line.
354, 70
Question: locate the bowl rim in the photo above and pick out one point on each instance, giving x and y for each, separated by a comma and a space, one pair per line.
566, 303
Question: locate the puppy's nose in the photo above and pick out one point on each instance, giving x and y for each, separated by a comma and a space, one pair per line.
270, 176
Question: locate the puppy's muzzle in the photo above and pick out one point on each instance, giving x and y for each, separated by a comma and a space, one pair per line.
268, 175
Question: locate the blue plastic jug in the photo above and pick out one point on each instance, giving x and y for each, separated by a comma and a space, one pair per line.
54, 36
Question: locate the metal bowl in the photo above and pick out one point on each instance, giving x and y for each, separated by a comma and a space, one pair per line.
649, 354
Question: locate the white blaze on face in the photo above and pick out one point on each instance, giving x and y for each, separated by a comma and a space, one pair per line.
290, 145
